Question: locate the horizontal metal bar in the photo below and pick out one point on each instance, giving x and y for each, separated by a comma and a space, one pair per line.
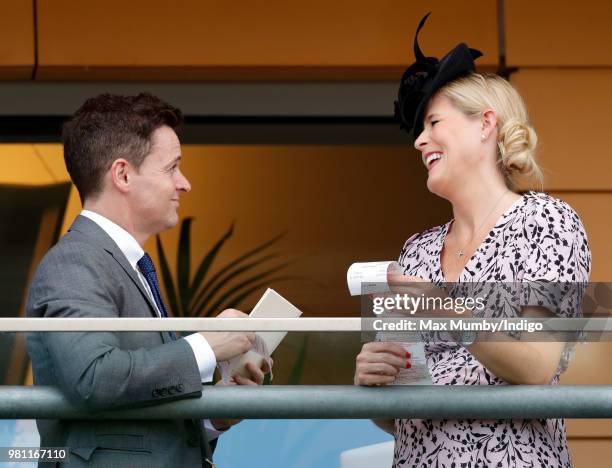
303, 324
327, 324
336, 402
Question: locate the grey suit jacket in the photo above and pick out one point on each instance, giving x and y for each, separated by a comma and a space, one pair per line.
86, 275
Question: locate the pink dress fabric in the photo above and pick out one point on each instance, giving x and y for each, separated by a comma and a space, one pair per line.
537, 238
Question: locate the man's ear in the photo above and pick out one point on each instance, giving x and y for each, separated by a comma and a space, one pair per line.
121, 172
489, 122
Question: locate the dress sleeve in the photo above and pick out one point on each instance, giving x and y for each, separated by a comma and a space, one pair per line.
407, 250
557, 259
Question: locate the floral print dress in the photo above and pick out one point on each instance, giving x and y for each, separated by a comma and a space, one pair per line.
538, 238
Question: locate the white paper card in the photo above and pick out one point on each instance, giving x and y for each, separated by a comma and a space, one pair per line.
370, 277
418, 374
270, 305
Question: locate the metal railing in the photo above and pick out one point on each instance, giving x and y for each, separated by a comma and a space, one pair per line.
304, 324
335, 402
303, 401
326, 324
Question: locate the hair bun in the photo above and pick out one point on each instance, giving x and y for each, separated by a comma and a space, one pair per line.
517, 141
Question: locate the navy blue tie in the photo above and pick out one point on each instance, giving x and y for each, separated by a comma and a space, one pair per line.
148, 271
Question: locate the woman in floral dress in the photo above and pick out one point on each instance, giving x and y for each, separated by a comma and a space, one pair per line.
476, 142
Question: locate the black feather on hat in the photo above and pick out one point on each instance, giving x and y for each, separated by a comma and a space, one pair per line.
427, 75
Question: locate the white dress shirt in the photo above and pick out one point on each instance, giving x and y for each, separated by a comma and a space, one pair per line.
204, 355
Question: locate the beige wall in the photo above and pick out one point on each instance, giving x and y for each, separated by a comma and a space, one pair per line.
205, 39
558, 33
562, 51
16, 40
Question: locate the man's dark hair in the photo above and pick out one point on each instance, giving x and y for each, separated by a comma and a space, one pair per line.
110, 126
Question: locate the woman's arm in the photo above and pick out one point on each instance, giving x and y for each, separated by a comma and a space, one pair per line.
377, 364
533, 360
387, 425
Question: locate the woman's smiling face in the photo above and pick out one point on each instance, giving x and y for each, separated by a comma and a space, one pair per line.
450, 145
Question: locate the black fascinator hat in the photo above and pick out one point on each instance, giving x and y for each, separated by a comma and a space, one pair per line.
427, 75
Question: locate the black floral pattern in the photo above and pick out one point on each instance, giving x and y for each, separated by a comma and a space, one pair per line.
538, 239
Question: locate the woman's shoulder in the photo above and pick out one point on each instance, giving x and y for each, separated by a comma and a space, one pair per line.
549, 221
425, 238
556, 238
423, 245
544, 207
420, 251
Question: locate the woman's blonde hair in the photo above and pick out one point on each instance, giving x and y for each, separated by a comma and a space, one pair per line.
516, 138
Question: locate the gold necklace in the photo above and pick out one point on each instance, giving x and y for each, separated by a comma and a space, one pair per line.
461, 251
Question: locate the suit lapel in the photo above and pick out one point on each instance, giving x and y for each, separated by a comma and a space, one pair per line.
120, 258
122, 261
101, 239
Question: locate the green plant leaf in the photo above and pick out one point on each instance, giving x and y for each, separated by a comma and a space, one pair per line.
231, 274
168, 281
206, 263
183, 263
244, 284
193, 298
215, 279
298, 366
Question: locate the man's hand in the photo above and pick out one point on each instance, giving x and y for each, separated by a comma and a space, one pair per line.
379, 363
256, 378
227, 345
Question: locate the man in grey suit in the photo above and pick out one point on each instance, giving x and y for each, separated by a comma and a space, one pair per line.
123, 155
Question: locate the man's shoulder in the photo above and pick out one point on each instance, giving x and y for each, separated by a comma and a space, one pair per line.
75, 270
84, 237
73, 244
72, 256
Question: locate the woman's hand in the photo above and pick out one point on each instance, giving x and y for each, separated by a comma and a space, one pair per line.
398, 280
420, 289
378, 363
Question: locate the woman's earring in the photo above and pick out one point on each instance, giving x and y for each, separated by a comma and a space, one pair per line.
482, 136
